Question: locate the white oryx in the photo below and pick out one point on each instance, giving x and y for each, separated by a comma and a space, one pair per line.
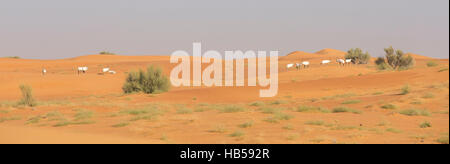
105, 70
289, 66
325, 62
341, 62
44, 71
108, 70
348, 61
305, 64
82, 70
298, 66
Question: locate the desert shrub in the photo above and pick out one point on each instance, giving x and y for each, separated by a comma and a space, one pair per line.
83, 115
428, 96
351, 102
415, 112
13, 57
34, 119
316, 123
283, 116
132, 83
343, 127
277, 117
122, 124
257, 104
3, 119
278, 102
237, 134
270, 110
218, 129
184, 110
389, 106
345, 110
27, 96
246, 124
381, 64
232, 109
443, 70
425, 124
106, 53
347, 95
443, 140
416, 103
394, 59
405, 90
378, 93
150, 81
393, 130
380, 60
202, 107
398, 60
432, 64
311, 109
358, 56
271, 120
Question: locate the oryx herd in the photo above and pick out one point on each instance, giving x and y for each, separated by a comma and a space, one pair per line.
305, 64
84, 69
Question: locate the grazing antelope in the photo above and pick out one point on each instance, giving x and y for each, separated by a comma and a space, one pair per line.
341, 62
44, 71
305, 64
82, 70
289, 66
325, 62
298, 66
105, 70
348, 61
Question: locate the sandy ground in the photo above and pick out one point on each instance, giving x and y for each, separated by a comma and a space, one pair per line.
91, 108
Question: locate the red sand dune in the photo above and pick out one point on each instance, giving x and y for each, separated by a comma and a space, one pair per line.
103, 95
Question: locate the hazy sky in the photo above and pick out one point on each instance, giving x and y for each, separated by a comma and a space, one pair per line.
53, 29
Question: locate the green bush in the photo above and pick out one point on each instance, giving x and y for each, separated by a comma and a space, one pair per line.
106, 53
232, 109
443, 70
312, 109
443, 140
405, 90
345, 110
389, 106
425, 124
246, 124
150, 81
351, 102
237, 134
27, 96
415, 112
358, 56
13, 57
432, 64
316, 123
184, 110
381, 64
257, 104
395, 59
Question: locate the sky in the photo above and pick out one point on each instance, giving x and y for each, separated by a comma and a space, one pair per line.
55, 29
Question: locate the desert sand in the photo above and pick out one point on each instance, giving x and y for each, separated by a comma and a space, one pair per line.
91, 108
